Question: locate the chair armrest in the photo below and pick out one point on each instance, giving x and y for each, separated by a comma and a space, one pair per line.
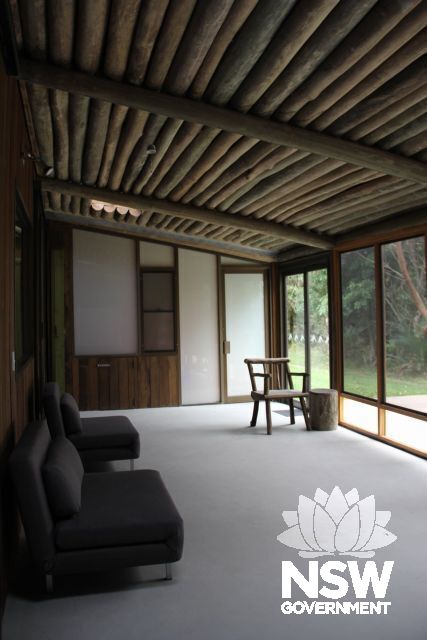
305, 376
267, 378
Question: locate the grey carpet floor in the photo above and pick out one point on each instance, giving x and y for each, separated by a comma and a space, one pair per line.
231, 484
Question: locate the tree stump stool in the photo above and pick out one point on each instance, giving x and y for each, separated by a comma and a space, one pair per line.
323, 409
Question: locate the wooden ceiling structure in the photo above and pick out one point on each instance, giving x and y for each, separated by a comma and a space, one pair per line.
249, 127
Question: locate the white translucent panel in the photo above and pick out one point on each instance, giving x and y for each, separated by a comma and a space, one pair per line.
245, 330
360, 414
198, 321
406, 430
152, 254
105, 294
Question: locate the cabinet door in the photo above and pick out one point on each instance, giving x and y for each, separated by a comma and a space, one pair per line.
107, 383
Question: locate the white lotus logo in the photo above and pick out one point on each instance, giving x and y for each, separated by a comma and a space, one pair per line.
336, 524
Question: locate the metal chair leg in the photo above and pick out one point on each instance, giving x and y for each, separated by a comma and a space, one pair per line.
132, 465
168, 571
49, 582
255, 414
268, 416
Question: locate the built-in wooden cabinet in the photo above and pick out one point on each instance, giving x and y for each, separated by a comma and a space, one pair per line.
125, 382
105, 383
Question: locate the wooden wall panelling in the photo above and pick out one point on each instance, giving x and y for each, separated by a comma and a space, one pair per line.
143, 395
158, 381
16, 389
126, 384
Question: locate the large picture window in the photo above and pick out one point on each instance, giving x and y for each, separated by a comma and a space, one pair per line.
307, 324
359, 322
405, 323
384, 340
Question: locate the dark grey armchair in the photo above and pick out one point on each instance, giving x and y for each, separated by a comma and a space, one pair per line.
79, 522
102, 438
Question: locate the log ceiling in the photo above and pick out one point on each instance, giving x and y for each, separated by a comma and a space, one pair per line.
248, 126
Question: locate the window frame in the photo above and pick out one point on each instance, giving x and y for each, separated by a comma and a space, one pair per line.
380, 403
378, 312
305, 266
173, 272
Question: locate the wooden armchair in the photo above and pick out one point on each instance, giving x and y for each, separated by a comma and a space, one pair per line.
274, 371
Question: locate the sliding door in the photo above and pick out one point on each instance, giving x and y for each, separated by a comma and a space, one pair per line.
245, 332
198, 320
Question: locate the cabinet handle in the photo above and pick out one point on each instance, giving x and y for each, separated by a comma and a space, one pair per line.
226, 347
103, 364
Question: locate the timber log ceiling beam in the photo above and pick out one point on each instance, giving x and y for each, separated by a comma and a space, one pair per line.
161, 237
179, 210
251, 126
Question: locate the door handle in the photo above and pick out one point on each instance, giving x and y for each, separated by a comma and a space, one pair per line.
103, 364
226, 346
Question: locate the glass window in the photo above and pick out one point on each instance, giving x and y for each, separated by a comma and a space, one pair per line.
359, 322
405, 323
295, 321
307, 325
318, 316
158, 310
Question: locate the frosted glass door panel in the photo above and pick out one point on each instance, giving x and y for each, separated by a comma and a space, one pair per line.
105, 294
244, 327
198, 321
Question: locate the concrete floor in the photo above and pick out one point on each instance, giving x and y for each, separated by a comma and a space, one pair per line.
231, 484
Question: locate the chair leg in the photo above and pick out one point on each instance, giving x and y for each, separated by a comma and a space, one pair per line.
49, 582
168, 571
255, 414
268, 416
305, 414
292, 411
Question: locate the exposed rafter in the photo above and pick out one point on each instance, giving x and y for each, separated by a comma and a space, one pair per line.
226, 119
179, 210
155, 235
